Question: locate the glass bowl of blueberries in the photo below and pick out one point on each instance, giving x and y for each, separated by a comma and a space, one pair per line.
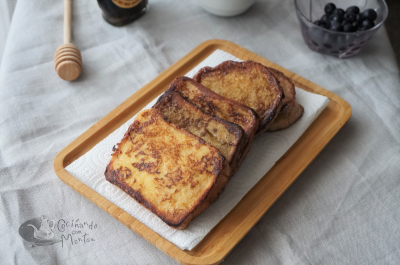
339, 28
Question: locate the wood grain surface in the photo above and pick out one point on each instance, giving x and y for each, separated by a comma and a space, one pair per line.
230, 230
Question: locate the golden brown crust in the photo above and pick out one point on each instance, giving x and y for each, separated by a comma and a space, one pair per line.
228, 137
288, 115
212, 195
248, 83
174, 181
224, 108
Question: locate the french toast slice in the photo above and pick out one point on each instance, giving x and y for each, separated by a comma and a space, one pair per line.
227, 137
289, 114
168, 170
248, 83
217, 105
214, 104
290, 110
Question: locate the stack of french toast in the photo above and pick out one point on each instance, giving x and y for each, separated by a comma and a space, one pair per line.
176, 158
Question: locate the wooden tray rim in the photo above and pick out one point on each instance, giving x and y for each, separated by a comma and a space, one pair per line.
120, 114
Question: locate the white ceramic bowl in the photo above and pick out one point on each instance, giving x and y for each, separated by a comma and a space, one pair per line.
226, 8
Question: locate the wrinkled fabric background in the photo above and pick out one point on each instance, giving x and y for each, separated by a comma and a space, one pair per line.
343, 209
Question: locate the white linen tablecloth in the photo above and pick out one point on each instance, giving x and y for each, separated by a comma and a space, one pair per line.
343, 209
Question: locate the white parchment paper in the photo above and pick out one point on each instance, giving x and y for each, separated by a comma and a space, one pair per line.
266, 150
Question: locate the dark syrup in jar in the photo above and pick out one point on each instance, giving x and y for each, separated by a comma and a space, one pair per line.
121, 12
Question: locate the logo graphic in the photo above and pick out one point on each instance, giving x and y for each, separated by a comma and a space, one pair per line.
43, 232
38, 231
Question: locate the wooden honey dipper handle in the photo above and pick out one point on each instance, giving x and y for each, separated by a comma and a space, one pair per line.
68, 58
67, 20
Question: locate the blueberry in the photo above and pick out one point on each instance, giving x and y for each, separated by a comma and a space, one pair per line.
349, 28
350, 17
369, 14
335, 26
329, 8
367, 24
318, 22
338, 12
353, 9
358, 17
326, 20
356, 24
344, 22
336, 18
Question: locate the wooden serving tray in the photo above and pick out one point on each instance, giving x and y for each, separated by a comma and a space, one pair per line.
230, 230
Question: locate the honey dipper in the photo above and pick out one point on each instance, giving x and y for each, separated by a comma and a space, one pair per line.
68, 58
